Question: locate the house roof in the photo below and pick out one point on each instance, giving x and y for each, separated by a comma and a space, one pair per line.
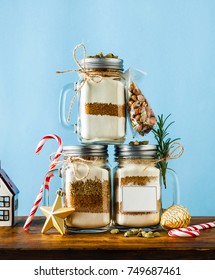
8, 182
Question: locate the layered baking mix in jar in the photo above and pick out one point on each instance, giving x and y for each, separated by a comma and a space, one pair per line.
86, 180
102, 101
137, 187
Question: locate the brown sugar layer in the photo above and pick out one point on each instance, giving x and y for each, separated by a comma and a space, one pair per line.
136, 180
89, 196
107, 109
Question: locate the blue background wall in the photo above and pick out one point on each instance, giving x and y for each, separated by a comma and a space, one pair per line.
173, 41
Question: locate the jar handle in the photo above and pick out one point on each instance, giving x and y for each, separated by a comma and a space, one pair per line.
64, 120
172, 190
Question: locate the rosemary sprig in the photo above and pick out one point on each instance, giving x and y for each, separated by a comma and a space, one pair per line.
160, 134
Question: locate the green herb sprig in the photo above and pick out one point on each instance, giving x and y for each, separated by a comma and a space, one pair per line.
160, 134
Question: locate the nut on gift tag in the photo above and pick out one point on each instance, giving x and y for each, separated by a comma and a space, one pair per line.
175, 216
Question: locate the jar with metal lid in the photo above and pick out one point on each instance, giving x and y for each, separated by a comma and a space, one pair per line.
101, 101
86, 181
137, 186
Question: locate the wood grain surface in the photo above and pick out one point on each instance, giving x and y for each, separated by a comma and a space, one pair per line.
15, 243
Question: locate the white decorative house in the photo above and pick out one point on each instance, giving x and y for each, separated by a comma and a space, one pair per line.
8, 200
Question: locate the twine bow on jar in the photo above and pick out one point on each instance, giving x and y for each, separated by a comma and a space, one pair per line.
175, 151
81, 162
74, 162
93, 75
82, 70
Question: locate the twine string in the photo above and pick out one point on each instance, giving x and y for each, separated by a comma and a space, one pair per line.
93, 75
174, 154
79, 162
75, 161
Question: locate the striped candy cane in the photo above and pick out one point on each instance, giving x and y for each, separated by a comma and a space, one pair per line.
202, 226
48, 176
183, 232
58, 152
191, 231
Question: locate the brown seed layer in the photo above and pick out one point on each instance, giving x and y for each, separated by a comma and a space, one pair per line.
89, 196
136, 180
107, 109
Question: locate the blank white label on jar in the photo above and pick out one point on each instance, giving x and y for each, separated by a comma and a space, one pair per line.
139, 199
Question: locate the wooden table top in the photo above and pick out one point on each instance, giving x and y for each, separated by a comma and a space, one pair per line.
15, 243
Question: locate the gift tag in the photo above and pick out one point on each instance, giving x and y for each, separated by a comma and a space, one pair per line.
139, 199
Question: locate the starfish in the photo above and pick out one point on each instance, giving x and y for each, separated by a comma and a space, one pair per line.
55, 215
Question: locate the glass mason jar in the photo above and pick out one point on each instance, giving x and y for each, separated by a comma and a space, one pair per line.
137, 187
86, 183
101, 101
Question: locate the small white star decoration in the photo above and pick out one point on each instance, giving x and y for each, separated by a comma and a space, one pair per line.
55, 214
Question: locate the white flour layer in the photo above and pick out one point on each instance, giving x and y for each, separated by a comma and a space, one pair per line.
108, 128
143, 220
88, 220
106, 91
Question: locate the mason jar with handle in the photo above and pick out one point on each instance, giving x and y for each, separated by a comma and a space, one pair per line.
100, 92
87, 187
138, 193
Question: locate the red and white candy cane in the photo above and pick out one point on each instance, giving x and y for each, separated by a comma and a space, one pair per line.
183, 232
191, 231
58, 152
48, 176
202, 226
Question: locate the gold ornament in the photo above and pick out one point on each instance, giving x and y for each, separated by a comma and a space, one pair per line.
55, 215
175, 216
